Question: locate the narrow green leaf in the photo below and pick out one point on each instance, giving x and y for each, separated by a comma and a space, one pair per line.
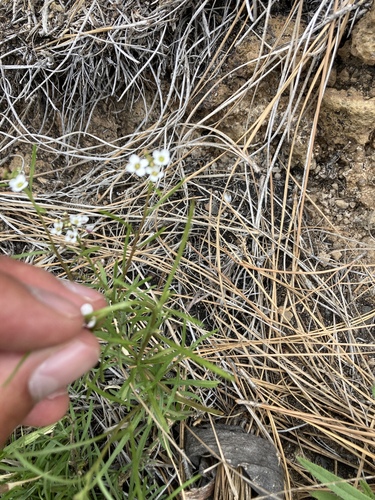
177, 260
20, 256
334, 483
32, 166
324, 495
121, 220
367, 490
209, 384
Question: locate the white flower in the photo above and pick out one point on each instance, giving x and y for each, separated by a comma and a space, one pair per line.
91, 323
78, 220
87, 309
161, 157
137, 165
90, 228
71, 236
227, 197
155, 173
18, 184
58, 227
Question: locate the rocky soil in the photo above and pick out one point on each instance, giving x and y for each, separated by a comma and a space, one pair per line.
341, 187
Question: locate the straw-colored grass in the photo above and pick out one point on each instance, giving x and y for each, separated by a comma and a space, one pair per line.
289, 326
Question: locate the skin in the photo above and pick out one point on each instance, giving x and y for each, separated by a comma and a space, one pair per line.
31, 321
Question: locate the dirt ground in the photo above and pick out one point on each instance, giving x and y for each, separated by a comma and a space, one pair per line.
341, 188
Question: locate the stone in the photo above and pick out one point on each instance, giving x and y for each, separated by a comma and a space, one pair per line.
349, 112
336, 254
342, 204
363, 38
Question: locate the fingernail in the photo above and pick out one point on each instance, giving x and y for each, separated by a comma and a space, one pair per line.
84, 292
55, 302
61, 369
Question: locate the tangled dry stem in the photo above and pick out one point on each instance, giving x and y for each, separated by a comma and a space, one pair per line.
289, 326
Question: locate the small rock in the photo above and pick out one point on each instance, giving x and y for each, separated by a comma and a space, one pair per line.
342, 204
324, 258
286, 313
371, 218
363, 39
344, 76
332, 77
347, 113
336, 254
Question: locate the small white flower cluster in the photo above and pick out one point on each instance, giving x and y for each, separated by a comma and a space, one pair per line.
71, 224
151, 165
18, 183
86, 310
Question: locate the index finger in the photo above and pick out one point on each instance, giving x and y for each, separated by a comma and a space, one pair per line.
37, 310
38, 278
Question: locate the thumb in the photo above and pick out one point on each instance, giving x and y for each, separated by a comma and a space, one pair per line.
27, 385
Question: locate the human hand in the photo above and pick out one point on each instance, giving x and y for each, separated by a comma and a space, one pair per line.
40, 315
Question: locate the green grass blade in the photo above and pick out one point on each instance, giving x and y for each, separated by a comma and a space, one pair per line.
334, 483
324, 495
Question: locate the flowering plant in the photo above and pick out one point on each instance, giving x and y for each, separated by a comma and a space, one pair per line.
151, 164
137, 165
18, 183
73, 224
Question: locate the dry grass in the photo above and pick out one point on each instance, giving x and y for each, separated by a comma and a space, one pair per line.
289, 326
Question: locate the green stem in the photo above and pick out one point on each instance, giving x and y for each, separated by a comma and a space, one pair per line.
39, 211
17, 367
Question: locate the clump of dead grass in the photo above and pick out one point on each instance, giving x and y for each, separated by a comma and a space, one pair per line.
288, 325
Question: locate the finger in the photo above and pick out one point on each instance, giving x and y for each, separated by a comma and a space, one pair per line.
48, 411
42, 374
33, 317
38, 278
